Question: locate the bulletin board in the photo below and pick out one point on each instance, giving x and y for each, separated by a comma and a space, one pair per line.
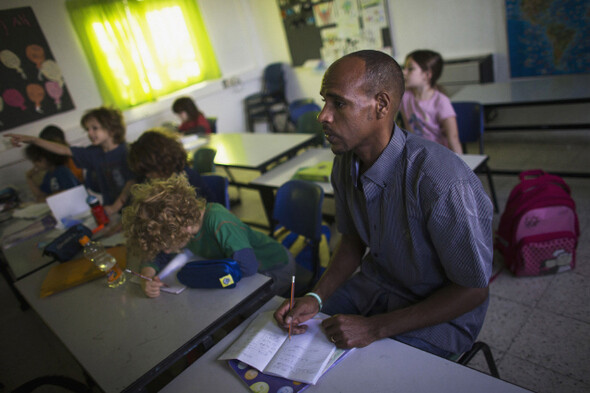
31, 82
329, 29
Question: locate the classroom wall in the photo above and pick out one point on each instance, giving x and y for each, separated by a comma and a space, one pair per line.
244, 40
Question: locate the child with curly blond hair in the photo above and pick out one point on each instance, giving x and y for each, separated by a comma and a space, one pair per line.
167, 216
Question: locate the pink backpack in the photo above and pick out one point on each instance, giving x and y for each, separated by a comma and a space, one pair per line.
538, 231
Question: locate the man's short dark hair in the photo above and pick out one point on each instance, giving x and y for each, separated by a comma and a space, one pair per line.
382, 72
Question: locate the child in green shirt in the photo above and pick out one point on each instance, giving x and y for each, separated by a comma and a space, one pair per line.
167, 216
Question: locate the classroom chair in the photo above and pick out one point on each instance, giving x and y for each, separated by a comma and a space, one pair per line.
301, 106
213, 124
471, 127
298, 208
218, 185
203, 160
476, 347
270, 102
308, 123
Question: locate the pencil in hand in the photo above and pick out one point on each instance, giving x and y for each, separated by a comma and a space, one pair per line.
291, 302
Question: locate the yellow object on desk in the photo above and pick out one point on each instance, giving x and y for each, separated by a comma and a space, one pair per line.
319, 172
78, 271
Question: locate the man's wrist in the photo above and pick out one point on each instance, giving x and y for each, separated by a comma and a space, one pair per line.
317, 297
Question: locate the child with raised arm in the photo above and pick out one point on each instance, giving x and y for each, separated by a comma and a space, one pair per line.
106, 157
167, 216
57, 176
193, 120
425, 110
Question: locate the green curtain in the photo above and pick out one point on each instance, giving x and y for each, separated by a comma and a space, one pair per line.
140, 50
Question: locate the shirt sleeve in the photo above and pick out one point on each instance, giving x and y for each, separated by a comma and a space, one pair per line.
460, 225
445, 108
247, 261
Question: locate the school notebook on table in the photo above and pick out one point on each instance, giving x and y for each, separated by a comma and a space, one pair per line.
320, 172
264, 355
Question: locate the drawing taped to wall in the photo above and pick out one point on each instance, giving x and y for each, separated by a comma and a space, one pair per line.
31, 82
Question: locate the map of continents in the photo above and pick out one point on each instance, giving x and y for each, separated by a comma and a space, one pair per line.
548, 37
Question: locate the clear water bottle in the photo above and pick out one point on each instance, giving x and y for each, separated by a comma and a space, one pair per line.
96, 253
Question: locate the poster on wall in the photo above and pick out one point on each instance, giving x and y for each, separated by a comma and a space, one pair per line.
548, 37
329, 29
32, 86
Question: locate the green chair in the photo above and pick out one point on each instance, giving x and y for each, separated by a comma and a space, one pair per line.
203, 160
308, 123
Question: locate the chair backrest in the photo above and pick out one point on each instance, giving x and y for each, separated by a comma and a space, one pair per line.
213, 124
470, 123
203, 160
274, 80
218, 185
296, 109
308, 123
298, 208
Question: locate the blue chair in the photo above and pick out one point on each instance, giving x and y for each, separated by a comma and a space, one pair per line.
271, 101
218, 185
300, 107
298, 208
471, 127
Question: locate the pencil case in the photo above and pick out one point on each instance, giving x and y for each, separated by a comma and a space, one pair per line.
66, 246
212, 273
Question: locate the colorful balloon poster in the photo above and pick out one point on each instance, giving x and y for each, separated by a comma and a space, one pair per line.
32, 85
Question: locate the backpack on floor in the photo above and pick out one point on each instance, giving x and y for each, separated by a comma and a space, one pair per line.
539, 229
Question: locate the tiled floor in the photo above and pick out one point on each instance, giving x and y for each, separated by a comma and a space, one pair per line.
538, 327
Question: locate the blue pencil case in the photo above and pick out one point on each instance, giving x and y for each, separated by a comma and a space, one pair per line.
212, 273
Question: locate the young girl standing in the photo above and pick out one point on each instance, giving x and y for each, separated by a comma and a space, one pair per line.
425, 110
106, 157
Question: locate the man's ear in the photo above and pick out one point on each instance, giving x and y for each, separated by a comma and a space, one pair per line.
383, 104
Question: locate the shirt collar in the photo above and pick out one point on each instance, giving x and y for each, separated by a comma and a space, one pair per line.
387, 163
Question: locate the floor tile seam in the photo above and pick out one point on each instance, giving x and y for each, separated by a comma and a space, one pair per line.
545, 368
524, 323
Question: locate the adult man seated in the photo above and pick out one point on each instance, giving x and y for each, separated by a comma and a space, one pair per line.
412, 215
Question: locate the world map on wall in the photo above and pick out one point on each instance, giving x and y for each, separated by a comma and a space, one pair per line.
548, 37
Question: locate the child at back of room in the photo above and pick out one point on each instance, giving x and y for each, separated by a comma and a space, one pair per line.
425, 110
57, 176
193, 120
158, 154
166, 216
106, 157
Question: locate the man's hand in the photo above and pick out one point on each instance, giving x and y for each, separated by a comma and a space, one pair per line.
351, 331
304, 308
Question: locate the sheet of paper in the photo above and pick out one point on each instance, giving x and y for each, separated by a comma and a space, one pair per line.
69, 204
258, 343
305, 356
168, 274
267, 348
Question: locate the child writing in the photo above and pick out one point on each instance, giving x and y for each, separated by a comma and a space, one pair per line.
193, 120
425, 110
57, 176
106, 157
166, 215
158, 154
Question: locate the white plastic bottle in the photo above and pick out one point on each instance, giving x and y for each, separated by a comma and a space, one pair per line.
96, 253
